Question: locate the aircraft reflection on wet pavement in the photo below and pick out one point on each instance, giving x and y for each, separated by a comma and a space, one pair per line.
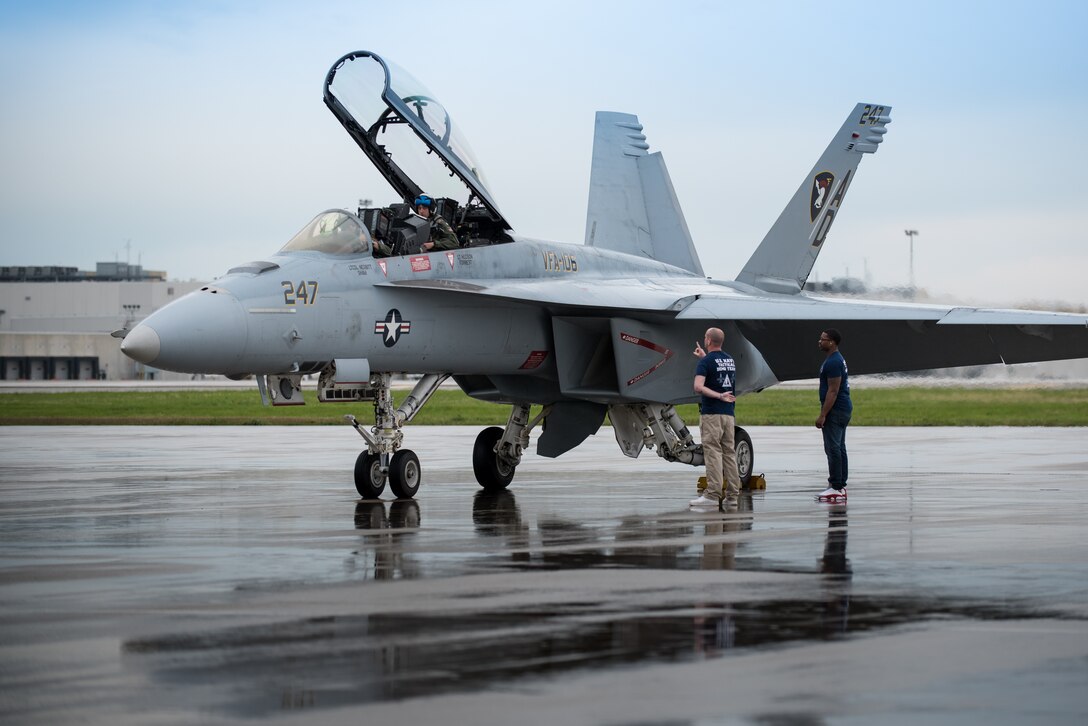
654, 542
382, 555
648, 542
347, 659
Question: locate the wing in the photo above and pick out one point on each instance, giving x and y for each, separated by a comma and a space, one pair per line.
602, 327
632, 204
881, 337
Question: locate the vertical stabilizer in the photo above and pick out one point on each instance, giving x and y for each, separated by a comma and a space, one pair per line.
785, 257
632, 204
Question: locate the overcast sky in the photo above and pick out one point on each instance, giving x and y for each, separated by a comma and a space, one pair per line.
195, 131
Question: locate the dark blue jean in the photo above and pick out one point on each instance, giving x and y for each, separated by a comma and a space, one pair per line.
834, 431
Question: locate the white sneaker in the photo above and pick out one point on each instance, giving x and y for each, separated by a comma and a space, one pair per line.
703, 502
831, 494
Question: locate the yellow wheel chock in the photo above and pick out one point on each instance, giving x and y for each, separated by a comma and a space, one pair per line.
755, 482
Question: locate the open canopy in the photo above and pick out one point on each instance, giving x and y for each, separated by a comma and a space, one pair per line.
405, 131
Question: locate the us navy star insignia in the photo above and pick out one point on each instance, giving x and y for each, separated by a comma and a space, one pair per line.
392, 327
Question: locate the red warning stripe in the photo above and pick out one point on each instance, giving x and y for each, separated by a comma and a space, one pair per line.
634, 339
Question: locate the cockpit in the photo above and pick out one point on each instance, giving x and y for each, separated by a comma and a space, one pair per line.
412, 141
334, 232
398, 230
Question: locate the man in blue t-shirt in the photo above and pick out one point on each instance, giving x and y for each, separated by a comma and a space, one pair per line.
835, 411
715, 382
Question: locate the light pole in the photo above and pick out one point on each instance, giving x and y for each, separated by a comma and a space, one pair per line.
911, 233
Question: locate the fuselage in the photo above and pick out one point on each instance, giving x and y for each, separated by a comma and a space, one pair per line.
444, 311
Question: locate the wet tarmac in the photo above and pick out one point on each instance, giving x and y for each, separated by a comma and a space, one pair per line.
218, 575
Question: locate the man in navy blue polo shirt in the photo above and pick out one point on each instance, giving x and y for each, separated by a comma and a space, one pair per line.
715, 382
835, 411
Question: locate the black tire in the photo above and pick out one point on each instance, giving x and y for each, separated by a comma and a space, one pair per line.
369, 479
492, 474
404, 474
746, 455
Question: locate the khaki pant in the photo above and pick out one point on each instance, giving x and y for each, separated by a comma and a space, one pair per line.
716, 431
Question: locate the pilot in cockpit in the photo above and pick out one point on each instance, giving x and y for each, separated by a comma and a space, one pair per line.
442, 235
413, 231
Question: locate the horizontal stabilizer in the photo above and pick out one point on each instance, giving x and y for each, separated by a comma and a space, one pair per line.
785, 257
632, 204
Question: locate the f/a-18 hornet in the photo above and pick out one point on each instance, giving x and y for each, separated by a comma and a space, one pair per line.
582, 330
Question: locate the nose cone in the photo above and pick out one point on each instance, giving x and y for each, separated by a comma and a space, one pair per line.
203, 332
141, 344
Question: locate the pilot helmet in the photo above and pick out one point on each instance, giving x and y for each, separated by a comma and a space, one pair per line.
424, 201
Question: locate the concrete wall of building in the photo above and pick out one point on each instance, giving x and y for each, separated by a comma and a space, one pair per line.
45, 356
83, 307
51, 329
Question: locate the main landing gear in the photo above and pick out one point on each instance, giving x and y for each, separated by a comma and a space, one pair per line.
658, 426
383, 461
495, 455
497, 452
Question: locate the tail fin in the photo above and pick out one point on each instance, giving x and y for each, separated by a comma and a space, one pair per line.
785, 257
632, 205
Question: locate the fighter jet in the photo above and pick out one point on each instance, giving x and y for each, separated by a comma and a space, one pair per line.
584, 331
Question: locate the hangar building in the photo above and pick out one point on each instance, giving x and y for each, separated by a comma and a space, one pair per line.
55, 322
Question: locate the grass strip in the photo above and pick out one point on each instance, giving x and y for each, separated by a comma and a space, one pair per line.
913, 406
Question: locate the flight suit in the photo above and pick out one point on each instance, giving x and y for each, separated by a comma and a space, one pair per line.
442, 234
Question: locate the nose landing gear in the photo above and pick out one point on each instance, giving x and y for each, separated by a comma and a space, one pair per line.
383, 461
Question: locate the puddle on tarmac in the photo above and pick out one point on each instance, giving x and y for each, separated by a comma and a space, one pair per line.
350, 660
344, 660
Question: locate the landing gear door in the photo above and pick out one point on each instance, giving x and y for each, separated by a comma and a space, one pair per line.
286, 390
